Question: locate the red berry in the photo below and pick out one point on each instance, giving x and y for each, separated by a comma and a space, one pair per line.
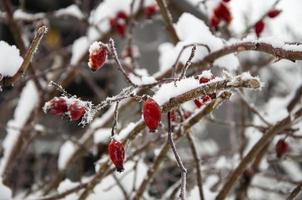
281, 148
259, 27
112, 22
122, 15
273, 13
149, 11
152, 114
97, 56
206, 98
213, 95
227, 1
117, 154
198, 103
56, 106
214, 21
203, 80
224, 13
173, 117
76, 111
187, 114
121, 29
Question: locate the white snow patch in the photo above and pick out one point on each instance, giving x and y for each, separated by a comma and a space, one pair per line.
10, 59
6, 193
72, 10
102, 135
29, 99
66, 152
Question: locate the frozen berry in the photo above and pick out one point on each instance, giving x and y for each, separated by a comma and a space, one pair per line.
121, 29
281, 148
76, 111
56, 106
152, 114
117, 154
259, 27
149, 11
97, 56
273, 13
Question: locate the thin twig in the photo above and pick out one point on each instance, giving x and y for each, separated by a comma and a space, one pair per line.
114, 119
178, 159
188, 63
197, 165
116, 59
295, 192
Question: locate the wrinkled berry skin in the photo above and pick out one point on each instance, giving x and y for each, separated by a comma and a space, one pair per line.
281, 148
56, 106
117, 154
273, 13
152, 114
259, 27
76, 111
97, 58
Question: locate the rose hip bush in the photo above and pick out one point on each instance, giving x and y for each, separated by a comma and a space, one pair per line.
151, 99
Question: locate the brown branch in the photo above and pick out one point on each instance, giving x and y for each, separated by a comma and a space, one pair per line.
295, 192
162, 4
27, 58
266, 138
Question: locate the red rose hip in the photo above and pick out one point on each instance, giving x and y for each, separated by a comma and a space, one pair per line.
281, 148
76, 111
149, 11
273, 13
117, 154
56, 106
259, 27
97, 56
151, 114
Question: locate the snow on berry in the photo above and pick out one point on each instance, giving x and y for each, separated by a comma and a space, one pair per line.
273, 13
76, 111
116, 153
97, 56
56, 106
259, 27
152, 114
72, 107
281, 148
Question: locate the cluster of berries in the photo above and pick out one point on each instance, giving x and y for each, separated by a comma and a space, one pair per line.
73, 108
119, 21
260, 25
221, 13
203, 100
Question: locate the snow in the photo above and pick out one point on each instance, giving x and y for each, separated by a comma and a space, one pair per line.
79, 48
108, 189
191, 30
21, 15
6, 193
72, 10
144, 80
66, 185
102, 135
29, 99
66, 152
11, 56
126, 131
207, 185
